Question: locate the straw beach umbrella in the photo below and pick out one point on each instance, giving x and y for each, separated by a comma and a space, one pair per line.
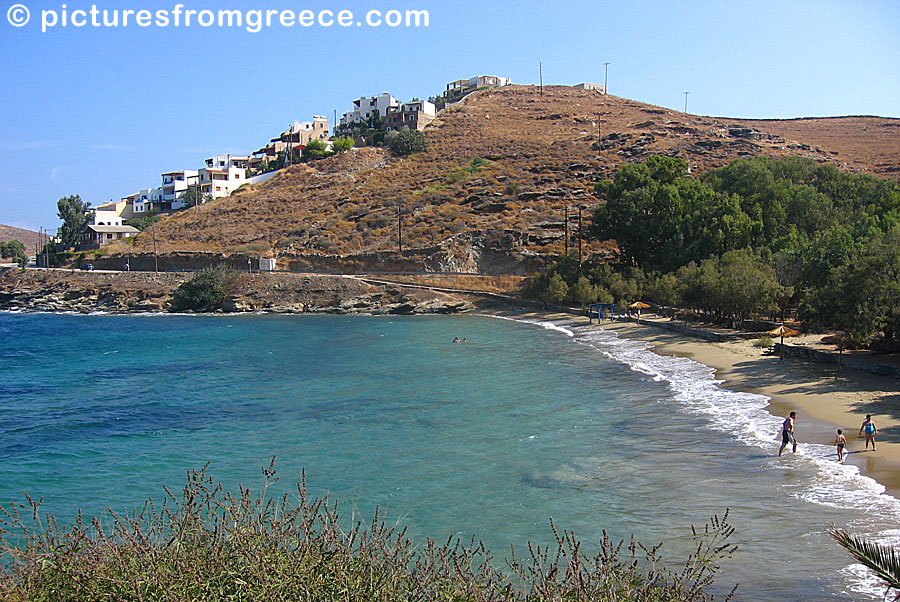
841, 340
639, 305
783, 331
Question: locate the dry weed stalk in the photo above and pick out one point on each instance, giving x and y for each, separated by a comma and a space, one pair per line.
206, 544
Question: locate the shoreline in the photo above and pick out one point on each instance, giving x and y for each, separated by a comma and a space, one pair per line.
824, 398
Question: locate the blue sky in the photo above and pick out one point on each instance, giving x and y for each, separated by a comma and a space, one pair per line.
103, 112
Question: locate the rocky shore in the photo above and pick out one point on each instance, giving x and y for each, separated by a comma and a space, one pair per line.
141, 292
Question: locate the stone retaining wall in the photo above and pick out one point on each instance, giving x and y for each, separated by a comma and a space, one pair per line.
829, 357
679, 327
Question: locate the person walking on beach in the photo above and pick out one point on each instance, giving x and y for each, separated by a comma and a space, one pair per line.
869, 427
787, 433
840, 442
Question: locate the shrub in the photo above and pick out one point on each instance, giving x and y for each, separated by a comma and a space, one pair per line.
408, 142
208, 544
341, 145
206, 291
765, 341
142, 223
313, 150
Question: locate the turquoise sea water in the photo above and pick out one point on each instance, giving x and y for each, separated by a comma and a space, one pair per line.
490, 437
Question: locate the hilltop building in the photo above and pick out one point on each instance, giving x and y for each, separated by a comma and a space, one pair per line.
223, 174
601, 88
298, 135
413, 115
174, 185
462, 86
141, 202
368, 107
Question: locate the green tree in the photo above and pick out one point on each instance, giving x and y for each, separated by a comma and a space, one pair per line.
75, 215
583, 292
341, 145
408, 142
664, 289
15, 250
314, 149
144, 222
862, 295
557, 290
662, 219
193, 196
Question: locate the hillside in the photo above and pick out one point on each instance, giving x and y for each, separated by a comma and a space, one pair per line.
26, 237
501, 169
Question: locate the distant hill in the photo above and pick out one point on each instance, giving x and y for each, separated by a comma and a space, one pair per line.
502, 167
26, 237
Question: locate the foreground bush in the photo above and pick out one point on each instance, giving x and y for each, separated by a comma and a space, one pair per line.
207, 544
408, 142
206, 291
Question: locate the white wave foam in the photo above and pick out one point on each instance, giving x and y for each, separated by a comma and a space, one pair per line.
746, 418
542, 323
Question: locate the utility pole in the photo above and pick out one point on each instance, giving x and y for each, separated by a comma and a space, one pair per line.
289, 151
606, 78
399, 226
566, 228
579, 235
599, 131
155, 254
541, 71
685, 101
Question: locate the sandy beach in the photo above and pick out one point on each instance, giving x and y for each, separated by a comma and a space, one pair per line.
825, 399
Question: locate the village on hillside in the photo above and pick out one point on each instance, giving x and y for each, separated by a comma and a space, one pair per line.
367, 124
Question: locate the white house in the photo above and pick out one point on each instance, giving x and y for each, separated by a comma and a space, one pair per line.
94, 236
367, 106
221, 182
175, 184
601, 88
479, 81
489, 81
108, 214
228, 161
141, 202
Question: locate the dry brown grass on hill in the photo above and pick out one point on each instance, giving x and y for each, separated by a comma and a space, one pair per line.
504, 159
26, 237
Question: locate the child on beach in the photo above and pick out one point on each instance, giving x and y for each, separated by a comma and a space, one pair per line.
840, 442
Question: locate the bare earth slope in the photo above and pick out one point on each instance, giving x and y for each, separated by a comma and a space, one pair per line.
26, 237
501, 169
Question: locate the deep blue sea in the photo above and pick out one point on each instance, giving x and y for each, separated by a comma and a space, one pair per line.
492, 437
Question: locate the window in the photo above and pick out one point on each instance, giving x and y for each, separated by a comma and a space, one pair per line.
218, 189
